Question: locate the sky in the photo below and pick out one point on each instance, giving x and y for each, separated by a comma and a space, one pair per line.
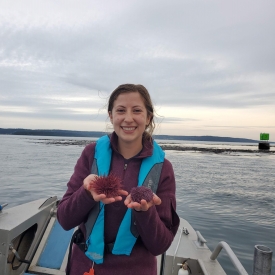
209, 65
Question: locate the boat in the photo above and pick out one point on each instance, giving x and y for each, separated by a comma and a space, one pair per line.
33, 242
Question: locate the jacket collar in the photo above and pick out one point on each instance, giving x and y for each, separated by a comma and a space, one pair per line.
147, 148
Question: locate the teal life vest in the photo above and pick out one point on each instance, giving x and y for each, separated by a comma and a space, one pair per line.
149, 175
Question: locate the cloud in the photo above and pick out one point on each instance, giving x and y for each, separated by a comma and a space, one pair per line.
200, 54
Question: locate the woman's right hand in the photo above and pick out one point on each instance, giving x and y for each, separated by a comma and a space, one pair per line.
100, 197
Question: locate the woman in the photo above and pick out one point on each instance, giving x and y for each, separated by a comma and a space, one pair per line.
152, 224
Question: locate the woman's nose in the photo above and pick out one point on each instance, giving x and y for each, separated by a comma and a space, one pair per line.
128, 117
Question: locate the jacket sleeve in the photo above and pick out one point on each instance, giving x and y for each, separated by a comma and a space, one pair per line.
158, 226
77, 202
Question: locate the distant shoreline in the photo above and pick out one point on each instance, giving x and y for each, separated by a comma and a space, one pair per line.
164, 147
71, 133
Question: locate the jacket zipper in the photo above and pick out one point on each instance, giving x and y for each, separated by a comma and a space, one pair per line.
124, 168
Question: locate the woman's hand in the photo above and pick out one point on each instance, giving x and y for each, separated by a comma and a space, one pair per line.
143, 205
87, 184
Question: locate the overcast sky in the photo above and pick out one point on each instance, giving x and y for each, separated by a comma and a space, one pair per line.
209, 65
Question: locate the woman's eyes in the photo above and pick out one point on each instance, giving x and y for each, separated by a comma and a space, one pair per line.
134, 111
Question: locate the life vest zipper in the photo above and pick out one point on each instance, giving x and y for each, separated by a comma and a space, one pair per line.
124, 168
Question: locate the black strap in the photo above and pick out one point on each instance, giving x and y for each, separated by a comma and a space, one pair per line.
78, 239
109, 247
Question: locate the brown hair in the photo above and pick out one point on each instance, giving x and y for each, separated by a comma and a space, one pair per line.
128, 88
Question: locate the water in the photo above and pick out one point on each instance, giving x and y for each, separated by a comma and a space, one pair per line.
229, 196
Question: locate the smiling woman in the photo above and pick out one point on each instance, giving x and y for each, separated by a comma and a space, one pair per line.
124, 232
130, 119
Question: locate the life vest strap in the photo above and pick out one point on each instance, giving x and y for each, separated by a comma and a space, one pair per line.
78, 239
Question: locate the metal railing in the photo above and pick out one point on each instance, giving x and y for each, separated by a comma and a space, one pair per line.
231, 254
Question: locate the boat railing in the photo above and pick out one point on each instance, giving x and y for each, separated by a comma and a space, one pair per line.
200, 240
223, 245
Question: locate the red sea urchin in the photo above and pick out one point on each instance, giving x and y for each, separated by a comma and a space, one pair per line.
141, 193
108, 185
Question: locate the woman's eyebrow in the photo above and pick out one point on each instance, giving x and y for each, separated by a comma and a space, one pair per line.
139, 106
122, 106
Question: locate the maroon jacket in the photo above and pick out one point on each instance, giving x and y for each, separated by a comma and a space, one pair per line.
157, 226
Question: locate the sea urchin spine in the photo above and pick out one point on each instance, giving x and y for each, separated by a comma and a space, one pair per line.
109, 185
141, 193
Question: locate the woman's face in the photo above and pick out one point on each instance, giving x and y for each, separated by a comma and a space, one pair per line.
129, 118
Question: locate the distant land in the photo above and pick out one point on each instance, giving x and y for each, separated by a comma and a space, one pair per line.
70, 133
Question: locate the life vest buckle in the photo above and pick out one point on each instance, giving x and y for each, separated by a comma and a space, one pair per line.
79, 240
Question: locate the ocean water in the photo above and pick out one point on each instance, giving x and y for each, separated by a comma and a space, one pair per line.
228, 196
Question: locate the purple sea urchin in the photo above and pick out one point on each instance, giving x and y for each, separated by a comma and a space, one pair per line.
108, 185
141, 193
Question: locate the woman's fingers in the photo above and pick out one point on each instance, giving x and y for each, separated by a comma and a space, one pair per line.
98, 197
128, 200
123, 192
143, 205
88, 180
105, 200
108, 200
156, 200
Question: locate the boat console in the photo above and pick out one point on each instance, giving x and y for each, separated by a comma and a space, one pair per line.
26, 239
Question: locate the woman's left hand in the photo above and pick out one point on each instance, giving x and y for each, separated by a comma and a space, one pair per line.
143, 205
